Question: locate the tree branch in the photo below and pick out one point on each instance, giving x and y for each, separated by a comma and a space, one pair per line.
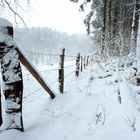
16, 14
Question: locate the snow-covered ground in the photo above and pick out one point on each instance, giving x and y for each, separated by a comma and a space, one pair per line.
99, 105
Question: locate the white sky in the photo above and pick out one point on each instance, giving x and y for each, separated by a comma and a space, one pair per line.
62, 15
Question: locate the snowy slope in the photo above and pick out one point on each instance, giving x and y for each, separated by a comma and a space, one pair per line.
99, 105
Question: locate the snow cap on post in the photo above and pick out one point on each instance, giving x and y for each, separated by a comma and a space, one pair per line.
6, 27
5, 23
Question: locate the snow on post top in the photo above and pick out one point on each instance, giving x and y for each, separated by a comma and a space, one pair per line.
5, 23
5, 37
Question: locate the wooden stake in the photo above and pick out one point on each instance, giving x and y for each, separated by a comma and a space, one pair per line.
81, 63
77, 65
87, 60
61, 71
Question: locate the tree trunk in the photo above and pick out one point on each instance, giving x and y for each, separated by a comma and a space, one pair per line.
138, 54
135, 26
103, 12
116, 26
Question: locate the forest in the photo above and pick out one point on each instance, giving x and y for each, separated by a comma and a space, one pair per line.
115, 24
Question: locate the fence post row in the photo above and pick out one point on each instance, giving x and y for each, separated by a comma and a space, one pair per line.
61, 71
77, 65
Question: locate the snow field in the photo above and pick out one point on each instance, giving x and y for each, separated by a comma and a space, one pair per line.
90, 107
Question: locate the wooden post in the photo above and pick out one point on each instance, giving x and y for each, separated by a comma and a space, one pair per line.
61, 71
1, 121
77, 65
92, 58
87, 62
34, 72
81, 63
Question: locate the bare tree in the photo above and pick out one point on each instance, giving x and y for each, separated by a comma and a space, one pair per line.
13, 6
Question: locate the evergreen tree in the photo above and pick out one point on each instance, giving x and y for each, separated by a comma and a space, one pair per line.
117, 22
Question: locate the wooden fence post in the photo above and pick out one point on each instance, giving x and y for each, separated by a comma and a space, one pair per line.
84, 62
87, 62
77, 65
1, 121
81, 63
61, 71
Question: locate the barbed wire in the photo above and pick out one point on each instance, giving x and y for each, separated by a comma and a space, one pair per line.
31, 93
69, 66
42, 53
69, 74
56, 69
49, 70
25, 75
49, 84
36, 53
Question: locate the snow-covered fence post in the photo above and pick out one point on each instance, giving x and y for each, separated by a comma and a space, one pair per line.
61, 71
11, 77
77, 65
81, 63
119, 96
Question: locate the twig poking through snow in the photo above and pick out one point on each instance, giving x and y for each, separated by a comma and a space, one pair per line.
131, 122
100, 115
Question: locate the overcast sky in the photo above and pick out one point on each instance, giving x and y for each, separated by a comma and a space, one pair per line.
57, 14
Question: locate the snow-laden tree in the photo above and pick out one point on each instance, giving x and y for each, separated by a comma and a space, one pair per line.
115, 22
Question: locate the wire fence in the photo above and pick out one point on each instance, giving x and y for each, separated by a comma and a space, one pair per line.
40, 88
61, 69
50, 70
47, 58
47, 54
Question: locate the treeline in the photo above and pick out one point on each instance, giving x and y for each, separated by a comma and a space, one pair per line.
37, 41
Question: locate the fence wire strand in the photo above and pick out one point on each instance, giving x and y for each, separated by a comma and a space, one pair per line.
32, 93
36, 53
56, 69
